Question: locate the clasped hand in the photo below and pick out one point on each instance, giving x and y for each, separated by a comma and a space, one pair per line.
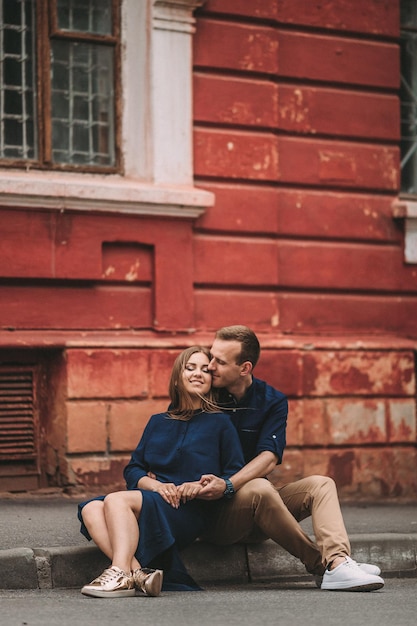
209, 487
175, 494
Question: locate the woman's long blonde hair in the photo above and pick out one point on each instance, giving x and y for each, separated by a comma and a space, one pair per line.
181, 406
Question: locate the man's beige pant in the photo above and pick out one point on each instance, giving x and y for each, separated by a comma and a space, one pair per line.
258, 511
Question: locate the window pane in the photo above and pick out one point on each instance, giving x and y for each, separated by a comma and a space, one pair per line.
12, 41
12, 12
13, 104
408, 97
82, 103
17, 80
12, 70
408, 14
13, 133
92, 16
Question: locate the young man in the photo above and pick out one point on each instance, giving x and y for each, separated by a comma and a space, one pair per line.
252, 509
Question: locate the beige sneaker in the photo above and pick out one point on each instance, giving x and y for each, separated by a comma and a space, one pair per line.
112, 583
148, 580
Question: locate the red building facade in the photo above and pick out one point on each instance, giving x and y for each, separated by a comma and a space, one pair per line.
291, 226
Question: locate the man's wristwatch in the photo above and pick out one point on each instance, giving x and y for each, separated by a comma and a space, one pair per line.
229, 492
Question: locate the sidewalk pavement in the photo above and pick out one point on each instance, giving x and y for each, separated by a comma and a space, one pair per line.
41, 546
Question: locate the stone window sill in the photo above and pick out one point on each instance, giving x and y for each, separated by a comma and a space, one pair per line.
99, 192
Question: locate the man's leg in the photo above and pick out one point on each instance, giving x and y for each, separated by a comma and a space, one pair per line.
317, 496
258, 506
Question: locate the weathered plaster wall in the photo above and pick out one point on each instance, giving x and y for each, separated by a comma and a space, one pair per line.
296, 132
352, 411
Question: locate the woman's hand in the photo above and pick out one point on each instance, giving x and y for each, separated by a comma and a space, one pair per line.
188, 491
169, 492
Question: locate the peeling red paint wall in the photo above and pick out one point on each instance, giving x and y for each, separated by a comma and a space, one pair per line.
296, 132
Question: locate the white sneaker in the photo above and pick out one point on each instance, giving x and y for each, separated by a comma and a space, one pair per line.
112, 583
349, 576
366, 567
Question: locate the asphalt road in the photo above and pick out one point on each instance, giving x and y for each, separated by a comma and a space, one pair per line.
245, 605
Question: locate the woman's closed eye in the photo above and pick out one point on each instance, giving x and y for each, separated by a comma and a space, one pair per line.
192, 368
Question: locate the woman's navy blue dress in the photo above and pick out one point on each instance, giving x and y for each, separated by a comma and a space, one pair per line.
178, 451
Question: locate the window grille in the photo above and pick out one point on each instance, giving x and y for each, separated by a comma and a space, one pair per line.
93, 16
18, 139
58, 67
82, 121
408, 95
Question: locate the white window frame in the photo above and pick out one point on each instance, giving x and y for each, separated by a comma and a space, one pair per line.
406, 209
157, 126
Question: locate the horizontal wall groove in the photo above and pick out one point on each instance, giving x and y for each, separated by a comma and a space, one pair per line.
298, 186
282, 236
281, 132
284, 79
275, 23
283, 289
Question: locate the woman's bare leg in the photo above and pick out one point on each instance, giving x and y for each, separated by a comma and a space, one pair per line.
121, 513
113, 525
94, 520
96, 524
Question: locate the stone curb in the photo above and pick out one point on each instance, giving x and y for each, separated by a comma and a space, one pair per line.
59, 567
395, 554
18, 569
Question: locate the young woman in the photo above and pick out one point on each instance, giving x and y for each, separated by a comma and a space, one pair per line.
156, 517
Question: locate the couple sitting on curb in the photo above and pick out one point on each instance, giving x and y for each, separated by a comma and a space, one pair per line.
188, 478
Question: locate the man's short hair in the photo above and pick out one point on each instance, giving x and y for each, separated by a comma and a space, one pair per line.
250, 348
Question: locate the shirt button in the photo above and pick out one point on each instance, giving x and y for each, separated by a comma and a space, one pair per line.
274, 436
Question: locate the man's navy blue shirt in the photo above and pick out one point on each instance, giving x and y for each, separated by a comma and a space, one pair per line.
260, 418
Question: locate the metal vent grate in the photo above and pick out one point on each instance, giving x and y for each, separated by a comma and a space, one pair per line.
17, 421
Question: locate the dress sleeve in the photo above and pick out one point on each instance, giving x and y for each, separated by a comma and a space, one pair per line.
231, 455
137, 468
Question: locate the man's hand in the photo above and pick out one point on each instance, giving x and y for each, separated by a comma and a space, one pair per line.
212, 487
